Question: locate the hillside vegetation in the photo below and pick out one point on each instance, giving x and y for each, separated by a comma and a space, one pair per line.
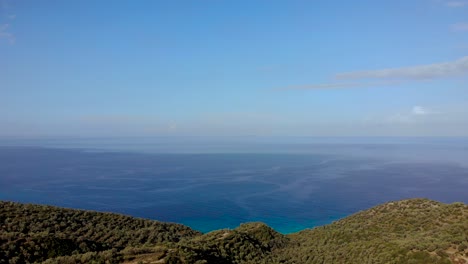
30, 233
415, 231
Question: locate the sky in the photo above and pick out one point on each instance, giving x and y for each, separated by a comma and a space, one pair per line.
233, 68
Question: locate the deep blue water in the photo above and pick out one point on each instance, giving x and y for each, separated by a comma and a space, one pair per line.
290, 190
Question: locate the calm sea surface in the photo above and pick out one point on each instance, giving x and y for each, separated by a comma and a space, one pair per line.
288, 185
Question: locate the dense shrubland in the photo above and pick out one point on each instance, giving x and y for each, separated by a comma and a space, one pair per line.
412, 231
31, 233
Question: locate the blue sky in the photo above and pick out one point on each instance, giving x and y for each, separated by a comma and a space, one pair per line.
233, 68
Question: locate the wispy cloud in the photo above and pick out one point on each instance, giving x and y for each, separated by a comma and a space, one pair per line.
392, 76
339, 85
421, 72
462, 26
419, 110
415, 115
456, 3
6, 34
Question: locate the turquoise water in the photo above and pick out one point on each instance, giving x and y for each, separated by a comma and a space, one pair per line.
288, 191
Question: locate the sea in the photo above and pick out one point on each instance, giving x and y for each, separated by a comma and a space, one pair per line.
289, 183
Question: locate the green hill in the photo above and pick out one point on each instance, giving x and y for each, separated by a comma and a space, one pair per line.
30, 233
409, 231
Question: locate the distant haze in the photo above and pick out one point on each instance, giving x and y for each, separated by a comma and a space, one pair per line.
397, 149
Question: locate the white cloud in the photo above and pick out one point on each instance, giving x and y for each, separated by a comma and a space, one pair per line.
420, 72
417, 114
393, 76
6, 34
462, 26
456, 3
340, 85
419, 110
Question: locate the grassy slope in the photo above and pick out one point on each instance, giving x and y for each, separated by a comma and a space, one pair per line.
409, 231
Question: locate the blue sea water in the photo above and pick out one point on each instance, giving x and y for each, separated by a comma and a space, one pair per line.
208, 186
